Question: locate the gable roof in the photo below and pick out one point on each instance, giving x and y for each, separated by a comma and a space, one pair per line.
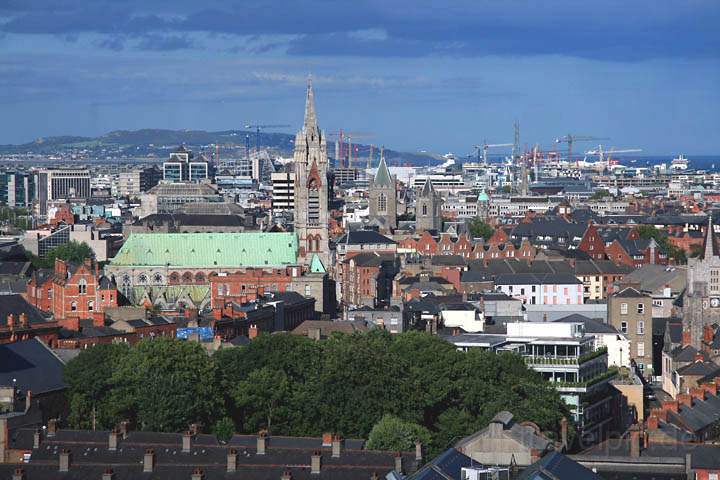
15, 304
360, 237
31, 365
556, 466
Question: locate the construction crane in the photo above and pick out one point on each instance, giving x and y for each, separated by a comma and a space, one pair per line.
570, 139
370, 156
347, 136
486, 146
257, 129
601, 153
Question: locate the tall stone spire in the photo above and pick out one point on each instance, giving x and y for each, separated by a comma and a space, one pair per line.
310, 116
710, 249
382, 177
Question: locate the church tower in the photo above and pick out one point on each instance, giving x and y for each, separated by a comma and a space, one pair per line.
701, 305
383, 197
427, 209
311, 188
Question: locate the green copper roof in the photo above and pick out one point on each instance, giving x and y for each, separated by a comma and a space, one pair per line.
382, 177
200, 250
316, 266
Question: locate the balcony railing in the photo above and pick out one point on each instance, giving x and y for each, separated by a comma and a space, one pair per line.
610, 373
534, 360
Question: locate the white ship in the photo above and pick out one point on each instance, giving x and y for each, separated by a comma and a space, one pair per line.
679, 163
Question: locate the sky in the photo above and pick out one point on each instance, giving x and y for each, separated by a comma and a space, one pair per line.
414, 75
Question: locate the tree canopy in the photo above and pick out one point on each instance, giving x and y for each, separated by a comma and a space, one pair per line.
393, 388
661, 237
478, 228
72, 251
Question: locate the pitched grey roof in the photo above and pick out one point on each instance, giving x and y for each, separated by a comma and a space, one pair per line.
532, 278
360, 237
31, 365
557, 466
591, 325
382, 177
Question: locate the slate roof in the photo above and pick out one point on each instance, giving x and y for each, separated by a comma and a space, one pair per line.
13, 268
91, 456
536, 279
701, 415
653, 278
32, 365
700, 368
448, 260
361, 237
208, 250
15, 304
556, 466
591, 325
629, 292
684, 353
447, 465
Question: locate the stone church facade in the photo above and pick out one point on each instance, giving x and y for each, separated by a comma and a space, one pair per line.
701, 304
311, 188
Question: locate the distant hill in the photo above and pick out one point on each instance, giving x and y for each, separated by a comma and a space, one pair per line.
157, 142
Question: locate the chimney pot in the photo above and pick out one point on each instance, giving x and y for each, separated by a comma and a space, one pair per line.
653, 422
261, 442
336, 445
710, 388
124, 429
253, 331
315, 462
186, 442
149, 460
108, 474
286, 475
398, 462
685, 399
635, 443
52, 427
18, 474
374, 476
65, 460
232, 460
113, 440
197, 474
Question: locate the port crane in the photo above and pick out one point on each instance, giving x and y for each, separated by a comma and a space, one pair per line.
485, 147
258, 128
570, 139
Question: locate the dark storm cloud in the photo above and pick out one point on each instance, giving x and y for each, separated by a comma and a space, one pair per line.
609, 30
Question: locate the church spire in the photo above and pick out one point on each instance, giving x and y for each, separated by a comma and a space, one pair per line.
310, 117
710, 249
383, 177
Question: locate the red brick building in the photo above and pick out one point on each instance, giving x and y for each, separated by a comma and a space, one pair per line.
593, 243
21, 321
73, 292
242, 287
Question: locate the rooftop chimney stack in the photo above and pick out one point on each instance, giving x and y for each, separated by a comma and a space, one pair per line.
232, 457
186, 442
398, 462
635, 443
65, 460
418, 451
19, 474
124, 428
315, 462
37, 438
52, 427
149, 460
113, 440
286, 475
197, 474
336, 444
261, 442
108, 474
374, 476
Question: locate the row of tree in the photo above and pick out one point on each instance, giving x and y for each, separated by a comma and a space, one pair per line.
393, 389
